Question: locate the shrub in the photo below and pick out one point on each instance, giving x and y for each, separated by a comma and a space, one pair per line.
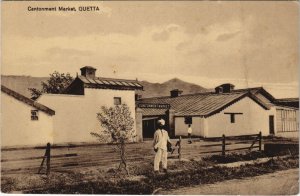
118, 129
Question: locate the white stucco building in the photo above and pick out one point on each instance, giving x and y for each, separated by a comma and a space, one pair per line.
225, 111
24, 122
76, 109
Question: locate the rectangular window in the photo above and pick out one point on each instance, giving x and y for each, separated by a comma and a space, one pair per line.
232, 116
34, 115
188, 120
117, 100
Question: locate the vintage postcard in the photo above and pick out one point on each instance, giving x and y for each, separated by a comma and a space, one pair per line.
150, 97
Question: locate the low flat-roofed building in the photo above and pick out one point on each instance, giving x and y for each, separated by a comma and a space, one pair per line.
224, 111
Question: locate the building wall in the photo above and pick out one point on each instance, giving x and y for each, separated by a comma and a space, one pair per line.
254, 119
197, 126
76, 115
17, 128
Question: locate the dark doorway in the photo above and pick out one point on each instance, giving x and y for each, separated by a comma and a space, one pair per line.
149, 127
271, 124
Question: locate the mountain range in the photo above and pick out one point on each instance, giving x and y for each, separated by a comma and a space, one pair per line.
21, 84
163, 89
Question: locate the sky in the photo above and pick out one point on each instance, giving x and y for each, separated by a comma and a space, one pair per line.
208, 43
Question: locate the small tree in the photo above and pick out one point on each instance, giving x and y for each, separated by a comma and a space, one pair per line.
118, 129
55, 85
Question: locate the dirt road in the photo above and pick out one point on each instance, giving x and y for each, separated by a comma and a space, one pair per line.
278, 183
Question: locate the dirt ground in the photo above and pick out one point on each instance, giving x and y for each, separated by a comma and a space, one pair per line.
278, 183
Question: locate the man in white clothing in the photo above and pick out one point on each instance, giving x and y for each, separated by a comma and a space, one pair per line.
190, 134
161, 137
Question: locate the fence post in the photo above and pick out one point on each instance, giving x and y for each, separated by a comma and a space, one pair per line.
223, 145
259, 137
179, 149
48, 157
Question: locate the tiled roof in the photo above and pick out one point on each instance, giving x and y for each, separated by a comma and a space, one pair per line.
27, 100
204, 104
99, 82
153, 112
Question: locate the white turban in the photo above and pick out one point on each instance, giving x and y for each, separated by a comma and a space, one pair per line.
161, 121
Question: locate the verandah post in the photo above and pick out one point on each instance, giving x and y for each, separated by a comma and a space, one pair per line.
223, 144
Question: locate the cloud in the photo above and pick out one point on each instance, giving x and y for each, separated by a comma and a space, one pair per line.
162, 36
121, 59
227, 36
165, 33
67, 52
183, 45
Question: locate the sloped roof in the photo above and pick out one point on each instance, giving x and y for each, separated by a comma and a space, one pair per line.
100, 82
204, 104
27, 101
290, 102
153, 112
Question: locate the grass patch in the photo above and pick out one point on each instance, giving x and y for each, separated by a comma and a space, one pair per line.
8, 184
234, 157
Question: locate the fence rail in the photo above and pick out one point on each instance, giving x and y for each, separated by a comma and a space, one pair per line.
253, 138
257, 138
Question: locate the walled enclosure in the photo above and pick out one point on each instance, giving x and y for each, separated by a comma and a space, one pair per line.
76, 115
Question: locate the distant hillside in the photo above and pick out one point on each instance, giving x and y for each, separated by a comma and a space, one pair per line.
21, 84
163, 89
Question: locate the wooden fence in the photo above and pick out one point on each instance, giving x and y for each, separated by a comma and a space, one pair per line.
249, 139
70, 157
48, 156
255, 141
73, 157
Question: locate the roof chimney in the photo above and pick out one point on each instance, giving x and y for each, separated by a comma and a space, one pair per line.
138, 97
224, 88
88, 71
175, 92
